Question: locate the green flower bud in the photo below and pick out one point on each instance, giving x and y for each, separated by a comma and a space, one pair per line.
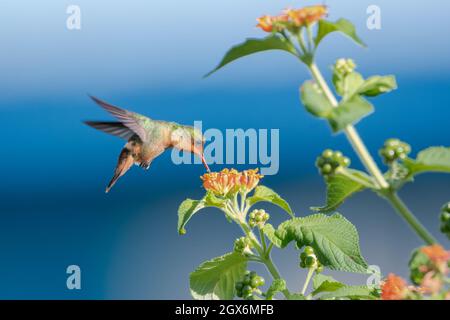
394, 149
344, 67
247, 291
445, 220
330, 161
243, 245
258, 218
310, 261
309, 250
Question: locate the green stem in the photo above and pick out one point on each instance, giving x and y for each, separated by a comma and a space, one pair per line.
351, 132
308, 279
264, 256
263, 240
371, 166
406, 214
275, 274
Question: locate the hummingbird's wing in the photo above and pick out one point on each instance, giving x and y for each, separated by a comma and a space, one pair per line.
131, 120
115, 128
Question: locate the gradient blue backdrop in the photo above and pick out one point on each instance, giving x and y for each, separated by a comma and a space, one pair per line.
149, 56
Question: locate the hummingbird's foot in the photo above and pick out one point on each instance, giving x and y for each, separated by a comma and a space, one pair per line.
145, 165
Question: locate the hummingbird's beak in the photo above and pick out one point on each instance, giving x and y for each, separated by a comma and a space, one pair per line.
204, 163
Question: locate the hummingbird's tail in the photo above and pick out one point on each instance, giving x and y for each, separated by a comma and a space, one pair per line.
123, 164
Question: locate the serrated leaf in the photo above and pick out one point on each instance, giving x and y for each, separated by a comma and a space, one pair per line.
264, 194
433, 159
334, 239
352, 293
278, 285
314, 100
377, 85
342, 25
339, 188
322, 283
251, 46
269, 232
349, 112
190, 207
215, 279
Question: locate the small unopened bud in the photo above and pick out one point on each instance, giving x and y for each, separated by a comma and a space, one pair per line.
344, 67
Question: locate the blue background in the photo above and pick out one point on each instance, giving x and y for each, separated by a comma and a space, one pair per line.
149, 56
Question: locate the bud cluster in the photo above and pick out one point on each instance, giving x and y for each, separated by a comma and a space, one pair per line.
243, 245
308, 259
258, 217
331, 160
344, 67
394, 149
248, 285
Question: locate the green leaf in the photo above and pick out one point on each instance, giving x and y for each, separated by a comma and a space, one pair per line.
377, 85
322, 283
269, 232
190, 207
215, 279
251, 46
334, 239
339, 188
329, 288
352, 293
342, 25
433, 159
185, 212
278, 285
265, 194
349, 85
314, 100
349, 112
296, 296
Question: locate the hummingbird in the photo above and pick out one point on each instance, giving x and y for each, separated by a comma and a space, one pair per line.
146, 138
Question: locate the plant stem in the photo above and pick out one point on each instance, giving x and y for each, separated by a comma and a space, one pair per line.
274, 272
406, 214
371, 166
308, 279
351, 132
264, 256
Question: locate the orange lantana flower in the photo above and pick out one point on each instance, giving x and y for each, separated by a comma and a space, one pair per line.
438, 256
394, 288
271, 23
228, 182
307, 16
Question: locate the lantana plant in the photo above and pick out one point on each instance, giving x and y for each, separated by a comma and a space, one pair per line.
326, 240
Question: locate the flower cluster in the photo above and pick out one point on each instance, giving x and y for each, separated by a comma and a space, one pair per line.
394, 288
250, 284
394, 149
429, 267
258, 217
228, 182
330, 161
292, 18
445, 220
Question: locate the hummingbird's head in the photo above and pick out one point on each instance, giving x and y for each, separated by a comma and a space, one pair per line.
189, 139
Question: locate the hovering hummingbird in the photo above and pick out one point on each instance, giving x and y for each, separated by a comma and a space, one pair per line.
146, 138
